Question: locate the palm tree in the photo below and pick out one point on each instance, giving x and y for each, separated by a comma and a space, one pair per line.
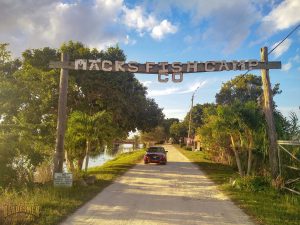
96, 128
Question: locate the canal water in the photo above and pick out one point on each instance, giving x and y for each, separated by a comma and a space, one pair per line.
109, 155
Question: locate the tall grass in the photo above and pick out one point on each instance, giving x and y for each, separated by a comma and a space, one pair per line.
57, 203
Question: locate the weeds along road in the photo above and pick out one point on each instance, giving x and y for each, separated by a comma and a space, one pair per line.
177, 193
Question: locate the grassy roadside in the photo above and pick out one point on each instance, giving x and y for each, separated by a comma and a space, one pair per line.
57, 203
267, 206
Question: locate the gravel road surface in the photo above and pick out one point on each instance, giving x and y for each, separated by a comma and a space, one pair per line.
177, 193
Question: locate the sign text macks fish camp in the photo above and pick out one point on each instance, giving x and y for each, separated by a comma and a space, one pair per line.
165, 68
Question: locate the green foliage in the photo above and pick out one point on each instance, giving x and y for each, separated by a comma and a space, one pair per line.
156, 135
27, 120
294, 126
57, 203
178, 130
166, 124
251, 183
5, 55
237, 125
88, 134
242, 88
197, 115
40, 58
29, 96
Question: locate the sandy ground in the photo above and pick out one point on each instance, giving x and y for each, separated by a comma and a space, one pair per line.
177, 193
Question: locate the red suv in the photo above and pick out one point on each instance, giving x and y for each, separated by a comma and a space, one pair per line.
156, 155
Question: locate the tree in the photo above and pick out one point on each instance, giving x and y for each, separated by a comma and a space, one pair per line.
5, 55
166, 124
178, 130
29, 96
294, 128
252, 120
197, 116
97, 128
242, 88
232, 127
156, 135
25, 115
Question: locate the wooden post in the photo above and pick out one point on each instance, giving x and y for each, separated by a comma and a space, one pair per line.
62, 116
268, 110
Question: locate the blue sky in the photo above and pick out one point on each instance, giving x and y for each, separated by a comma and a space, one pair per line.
190, 30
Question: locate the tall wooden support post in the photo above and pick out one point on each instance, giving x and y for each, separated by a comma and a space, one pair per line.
190, 121
62, 116
268, 110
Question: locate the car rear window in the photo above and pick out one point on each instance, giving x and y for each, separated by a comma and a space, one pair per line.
156, 150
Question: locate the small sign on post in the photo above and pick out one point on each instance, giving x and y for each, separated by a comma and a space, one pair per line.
63, 180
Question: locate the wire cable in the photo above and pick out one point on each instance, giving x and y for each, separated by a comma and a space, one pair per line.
289, 34
284, 39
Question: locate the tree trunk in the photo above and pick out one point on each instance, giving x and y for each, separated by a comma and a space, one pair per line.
70, 163
87, 154
250, 155
237, 157
80, 163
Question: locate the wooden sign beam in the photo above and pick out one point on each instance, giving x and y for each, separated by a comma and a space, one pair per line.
164, 67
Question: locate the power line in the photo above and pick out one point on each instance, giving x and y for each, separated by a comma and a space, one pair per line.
284, 39
289, 34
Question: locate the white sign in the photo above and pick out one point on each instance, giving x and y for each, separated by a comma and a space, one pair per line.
63, 179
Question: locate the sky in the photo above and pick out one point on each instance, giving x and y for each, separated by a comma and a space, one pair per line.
168, 31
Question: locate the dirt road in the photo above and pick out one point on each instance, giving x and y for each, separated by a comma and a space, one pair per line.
177, 193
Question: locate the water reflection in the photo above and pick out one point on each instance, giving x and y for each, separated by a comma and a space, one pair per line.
109, 154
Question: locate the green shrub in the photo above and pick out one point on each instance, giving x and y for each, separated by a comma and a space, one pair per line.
251, 183
188, 148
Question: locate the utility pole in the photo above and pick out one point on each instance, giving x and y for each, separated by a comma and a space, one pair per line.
268, 111
62, 116
190, 119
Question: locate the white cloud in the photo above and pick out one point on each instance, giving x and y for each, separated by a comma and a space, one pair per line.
137, 19
287, 66
162, 92
227, 23
129, 41
281, 49
296, 58
284, 16
147, 83
193, 87
170, 91
97, 23
35, 24
161, 30
175, 113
